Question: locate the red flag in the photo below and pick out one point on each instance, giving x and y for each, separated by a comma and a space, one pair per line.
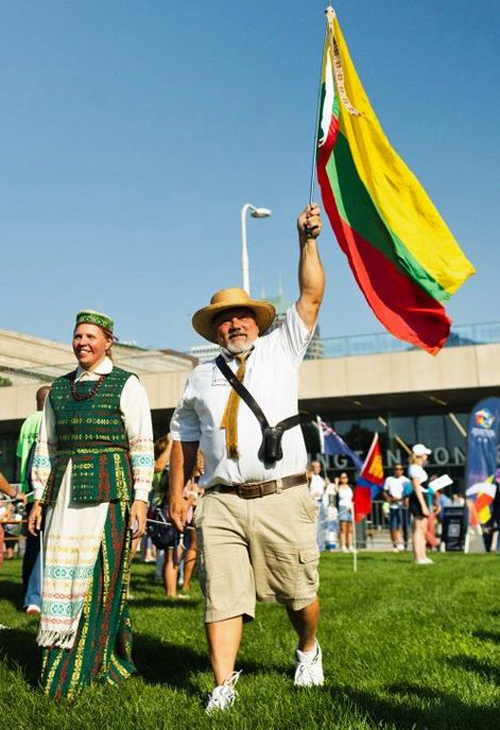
370, 481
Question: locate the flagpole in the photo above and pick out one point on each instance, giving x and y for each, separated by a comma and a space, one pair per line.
354, 542
316, 124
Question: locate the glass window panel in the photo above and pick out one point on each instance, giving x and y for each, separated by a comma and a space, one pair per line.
431, 431
455, 442
404, 427
345, 427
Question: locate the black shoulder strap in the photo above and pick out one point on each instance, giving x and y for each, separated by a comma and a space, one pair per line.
245, 395
242, 391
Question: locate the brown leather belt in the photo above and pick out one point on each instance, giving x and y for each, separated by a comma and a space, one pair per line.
253, 490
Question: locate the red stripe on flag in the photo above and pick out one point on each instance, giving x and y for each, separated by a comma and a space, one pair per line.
326, 148
362, 502
403, 307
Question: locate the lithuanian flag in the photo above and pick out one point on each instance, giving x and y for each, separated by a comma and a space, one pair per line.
401, 252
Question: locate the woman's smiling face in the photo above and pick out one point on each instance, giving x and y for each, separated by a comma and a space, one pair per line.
90, 345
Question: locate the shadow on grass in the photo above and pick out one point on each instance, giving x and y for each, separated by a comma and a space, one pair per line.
163, 602
12, 591
158, 662
19, 651
442, 711
488, 636
478, 666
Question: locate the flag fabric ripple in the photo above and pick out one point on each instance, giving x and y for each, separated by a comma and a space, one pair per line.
403, 256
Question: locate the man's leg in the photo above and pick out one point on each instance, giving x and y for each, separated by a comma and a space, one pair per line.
305, 623
31, 570
223, 643
228, 582
170, 573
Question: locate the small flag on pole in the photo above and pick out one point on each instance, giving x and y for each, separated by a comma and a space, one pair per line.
404, 258
370, 481
482, 495
332, 443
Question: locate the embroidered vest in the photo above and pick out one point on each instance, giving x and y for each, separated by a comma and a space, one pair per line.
92, 434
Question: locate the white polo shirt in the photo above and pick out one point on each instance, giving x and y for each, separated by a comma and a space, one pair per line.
395, 487
272, 377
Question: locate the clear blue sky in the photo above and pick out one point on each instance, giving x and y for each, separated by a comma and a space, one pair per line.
132, 133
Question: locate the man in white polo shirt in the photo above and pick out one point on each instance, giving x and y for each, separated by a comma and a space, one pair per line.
256, 524
394, 493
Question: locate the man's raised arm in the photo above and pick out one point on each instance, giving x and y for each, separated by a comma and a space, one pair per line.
311, 273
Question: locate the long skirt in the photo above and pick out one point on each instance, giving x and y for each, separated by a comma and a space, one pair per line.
102, 650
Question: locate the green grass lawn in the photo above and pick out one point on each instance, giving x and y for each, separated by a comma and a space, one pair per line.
404, 647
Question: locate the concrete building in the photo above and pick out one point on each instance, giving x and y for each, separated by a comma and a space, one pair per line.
406, 395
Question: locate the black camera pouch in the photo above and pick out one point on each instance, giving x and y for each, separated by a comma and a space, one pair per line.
270, 449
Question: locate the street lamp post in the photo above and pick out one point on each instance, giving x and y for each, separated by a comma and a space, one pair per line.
255, 213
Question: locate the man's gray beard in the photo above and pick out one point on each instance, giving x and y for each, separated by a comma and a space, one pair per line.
233, 349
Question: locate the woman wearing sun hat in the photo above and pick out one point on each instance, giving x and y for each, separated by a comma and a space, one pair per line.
93, 470
418, 503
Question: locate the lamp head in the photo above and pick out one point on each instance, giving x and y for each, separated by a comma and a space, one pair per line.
260, 212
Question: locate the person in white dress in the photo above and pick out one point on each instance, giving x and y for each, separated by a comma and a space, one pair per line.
418, 502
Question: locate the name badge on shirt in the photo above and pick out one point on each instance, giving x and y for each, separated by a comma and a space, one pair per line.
218, 378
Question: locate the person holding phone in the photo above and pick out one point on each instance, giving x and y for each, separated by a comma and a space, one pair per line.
92, 471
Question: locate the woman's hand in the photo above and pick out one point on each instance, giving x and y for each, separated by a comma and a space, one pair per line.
425, 510
138, 516
35, 518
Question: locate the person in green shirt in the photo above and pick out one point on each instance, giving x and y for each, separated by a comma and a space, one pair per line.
31, 562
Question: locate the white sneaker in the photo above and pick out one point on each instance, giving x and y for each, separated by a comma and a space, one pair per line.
424, 561
309, 674
401, 547
223, 696
33, 610
344, 549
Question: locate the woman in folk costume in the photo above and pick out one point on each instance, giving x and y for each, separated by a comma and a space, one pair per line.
93, 471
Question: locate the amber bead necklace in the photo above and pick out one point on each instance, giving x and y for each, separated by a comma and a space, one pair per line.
77, 396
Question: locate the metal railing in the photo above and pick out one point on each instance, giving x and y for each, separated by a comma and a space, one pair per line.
382, 342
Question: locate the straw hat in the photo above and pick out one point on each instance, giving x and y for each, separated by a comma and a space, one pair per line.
230, 299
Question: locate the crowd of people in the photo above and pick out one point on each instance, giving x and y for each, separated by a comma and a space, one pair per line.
410, 508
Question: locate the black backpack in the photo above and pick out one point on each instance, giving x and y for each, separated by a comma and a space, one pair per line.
162, 533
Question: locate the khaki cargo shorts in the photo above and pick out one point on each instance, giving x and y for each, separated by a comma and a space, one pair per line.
262, 549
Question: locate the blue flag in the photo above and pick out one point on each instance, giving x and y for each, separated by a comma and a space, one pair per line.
332, 444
